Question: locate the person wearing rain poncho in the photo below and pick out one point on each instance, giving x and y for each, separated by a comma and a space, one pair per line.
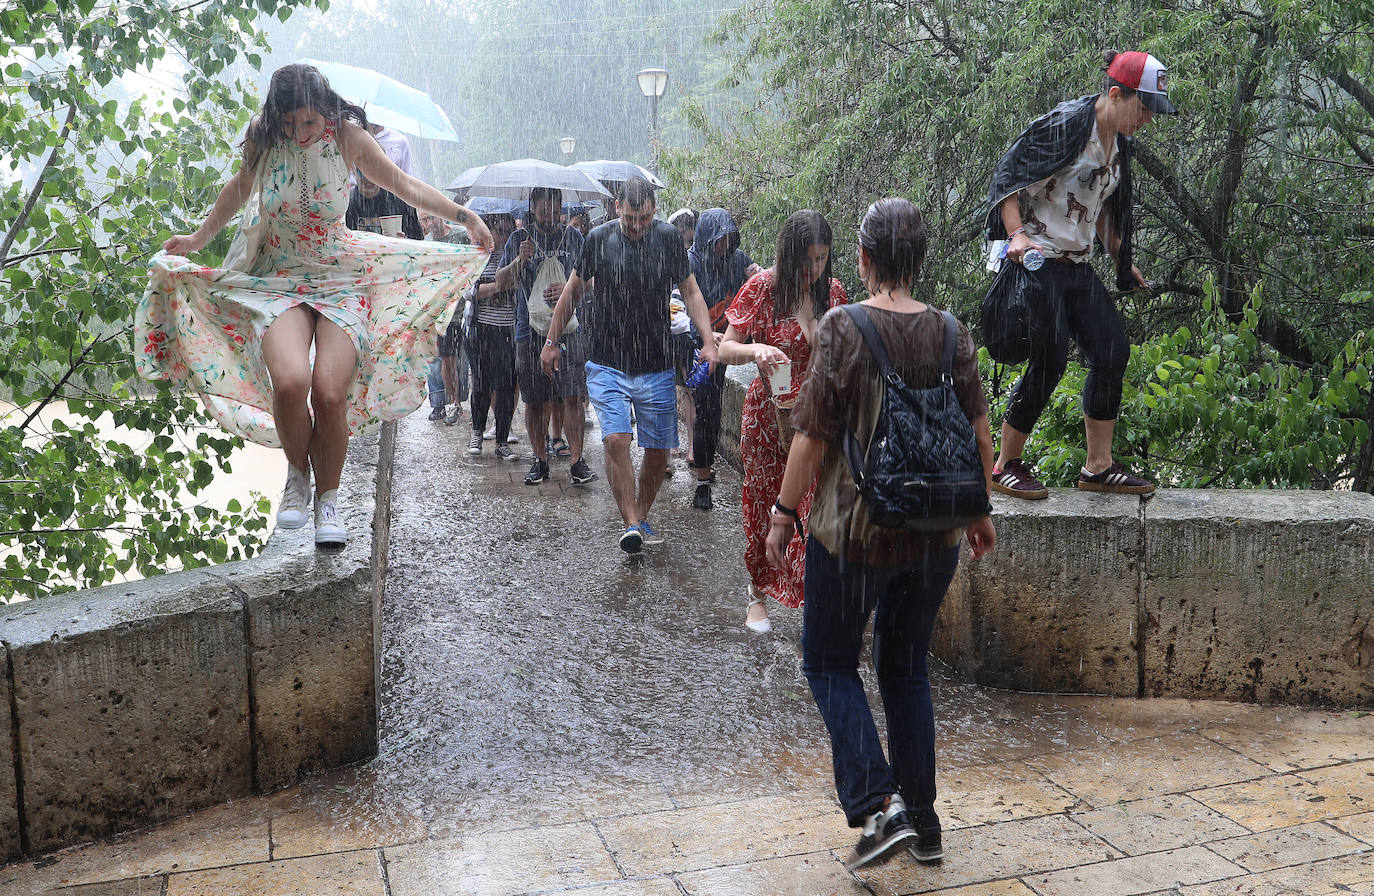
1065, 181
310, 332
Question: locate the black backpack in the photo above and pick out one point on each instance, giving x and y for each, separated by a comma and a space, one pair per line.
922, 470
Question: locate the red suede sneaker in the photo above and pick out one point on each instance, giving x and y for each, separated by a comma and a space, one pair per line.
1016, 478
1115, 478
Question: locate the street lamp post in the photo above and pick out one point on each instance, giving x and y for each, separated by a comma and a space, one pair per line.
652, 83
567, 145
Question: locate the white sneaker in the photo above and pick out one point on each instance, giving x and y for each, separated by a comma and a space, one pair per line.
329, 528
294, 509
451, 417
490, 434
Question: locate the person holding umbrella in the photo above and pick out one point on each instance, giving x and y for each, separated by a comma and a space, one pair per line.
298, 285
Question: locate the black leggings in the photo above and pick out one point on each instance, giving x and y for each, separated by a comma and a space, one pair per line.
491, 353
1071, 301
706, 433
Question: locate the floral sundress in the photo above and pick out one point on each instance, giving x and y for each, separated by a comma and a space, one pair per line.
751, 314
203, 327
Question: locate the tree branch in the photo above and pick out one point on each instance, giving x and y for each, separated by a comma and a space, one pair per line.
37, 190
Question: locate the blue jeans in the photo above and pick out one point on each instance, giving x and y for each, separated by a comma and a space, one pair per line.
651, 395
436, 385
839, 600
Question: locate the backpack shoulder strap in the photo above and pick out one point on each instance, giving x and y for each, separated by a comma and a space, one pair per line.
859, 314
951, 340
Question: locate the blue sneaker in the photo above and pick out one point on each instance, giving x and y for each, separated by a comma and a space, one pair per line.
632, 541
648, 534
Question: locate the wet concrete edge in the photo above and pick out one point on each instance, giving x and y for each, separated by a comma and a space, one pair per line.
160, 610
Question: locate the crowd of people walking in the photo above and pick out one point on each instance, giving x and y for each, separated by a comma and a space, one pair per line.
331, 313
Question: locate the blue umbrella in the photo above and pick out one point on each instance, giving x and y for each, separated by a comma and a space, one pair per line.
493, 205
387, 101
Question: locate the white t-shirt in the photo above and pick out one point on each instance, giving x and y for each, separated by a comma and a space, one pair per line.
1064, 207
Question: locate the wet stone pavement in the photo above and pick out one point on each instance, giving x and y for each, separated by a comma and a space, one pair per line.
559, 717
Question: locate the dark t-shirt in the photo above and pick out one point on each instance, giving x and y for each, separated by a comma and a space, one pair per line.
381, 205
565, 244
626, 317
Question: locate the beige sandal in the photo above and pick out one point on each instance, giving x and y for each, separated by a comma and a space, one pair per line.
762, 626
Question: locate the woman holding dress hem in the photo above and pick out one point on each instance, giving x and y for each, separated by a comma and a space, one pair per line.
241, 335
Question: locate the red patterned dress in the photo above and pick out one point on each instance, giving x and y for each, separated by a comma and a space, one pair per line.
751, 314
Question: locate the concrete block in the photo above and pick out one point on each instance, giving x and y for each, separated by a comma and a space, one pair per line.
1054, 607
10, 843
132, 705
311, 634
1260, 596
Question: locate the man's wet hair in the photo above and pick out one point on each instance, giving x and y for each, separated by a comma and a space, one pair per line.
1108, 82
893, 233
539, 193
635, 193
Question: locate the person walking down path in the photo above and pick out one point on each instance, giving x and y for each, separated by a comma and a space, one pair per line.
855, 568
296, 278
721, 268
633, 262
1065, 181
491, 348
773, 322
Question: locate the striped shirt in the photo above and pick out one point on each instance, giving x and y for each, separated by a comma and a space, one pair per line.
498, 309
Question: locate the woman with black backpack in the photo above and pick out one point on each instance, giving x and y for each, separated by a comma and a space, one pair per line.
856, 567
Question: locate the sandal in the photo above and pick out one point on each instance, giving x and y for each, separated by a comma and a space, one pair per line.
762, 626
559, 448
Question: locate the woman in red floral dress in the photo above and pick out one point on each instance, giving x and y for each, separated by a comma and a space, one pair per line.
773, 320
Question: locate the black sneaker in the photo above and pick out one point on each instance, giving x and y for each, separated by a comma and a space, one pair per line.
504, 453
580, 473
1018, 479
928, 847
475, 446
539, 472
437, 414
702, 499
1115, 478
882, 831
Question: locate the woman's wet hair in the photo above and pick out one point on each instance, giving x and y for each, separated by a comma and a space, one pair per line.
298, 86
799, 233
1108, 82
893, 234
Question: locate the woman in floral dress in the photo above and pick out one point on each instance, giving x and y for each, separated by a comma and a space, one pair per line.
771, 321
297, 283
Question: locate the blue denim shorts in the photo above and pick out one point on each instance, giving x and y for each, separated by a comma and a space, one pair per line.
651, 395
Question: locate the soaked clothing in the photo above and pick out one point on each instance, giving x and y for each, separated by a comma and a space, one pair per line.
843, 385
203, 327
564, 243
1062, 210
761, 452
365, 211
497, 309
626, 315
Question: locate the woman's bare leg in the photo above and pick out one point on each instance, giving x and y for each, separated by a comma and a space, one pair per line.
336, 367
286, 351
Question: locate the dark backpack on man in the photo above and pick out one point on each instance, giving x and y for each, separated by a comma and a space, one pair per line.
922, 469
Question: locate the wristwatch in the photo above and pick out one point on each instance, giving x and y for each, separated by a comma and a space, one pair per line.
549, 343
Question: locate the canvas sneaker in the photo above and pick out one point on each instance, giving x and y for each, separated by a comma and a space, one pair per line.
436, 413
928, 847
631, 541
539, 472
648, 534
329, 528
882, 831
1115, 478
475, 446
294, 509
1016, 478
580, 473
454, 412
490, 433
502, 452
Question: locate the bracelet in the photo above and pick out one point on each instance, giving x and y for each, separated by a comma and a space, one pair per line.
1011, 236
549, 343
785, 510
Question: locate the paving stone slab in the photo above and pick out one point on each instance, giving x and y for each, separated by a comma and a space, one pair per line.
502, 863
804, 875
1158, 824
1261, 596
1137, 874
1286, 846
132, 704
1343, 876
1054, 607
338, 874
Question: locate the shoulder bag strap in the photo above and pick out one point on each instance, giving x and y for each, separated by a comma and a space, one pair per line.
947, 351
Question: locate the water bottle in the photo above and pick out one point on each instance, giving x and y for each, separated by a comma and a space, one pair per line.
1033, 260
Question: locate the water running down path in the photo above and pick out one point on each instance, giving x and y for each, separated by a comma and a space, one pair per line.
557, 715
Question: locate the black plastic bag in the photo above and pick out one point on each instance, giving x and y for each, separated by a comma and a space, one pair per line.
1006, 314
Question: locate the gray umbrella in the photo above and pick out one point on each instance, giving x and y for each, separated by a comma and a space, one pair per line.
609, 172
515, 180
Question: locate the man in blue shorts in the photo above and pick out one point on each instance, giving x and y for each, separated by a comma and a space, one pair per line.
633, 263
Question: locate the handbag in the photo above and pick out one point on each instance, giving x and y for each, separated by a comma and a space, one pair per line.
922, 470
782, 408
1006, 314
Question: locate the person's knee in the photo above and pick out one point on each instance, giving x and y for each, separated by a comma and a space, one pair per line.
329, 399
291, 383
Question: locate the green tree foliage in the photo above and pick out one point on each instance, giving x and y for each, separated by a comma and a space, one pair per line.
1262, 187
97, 174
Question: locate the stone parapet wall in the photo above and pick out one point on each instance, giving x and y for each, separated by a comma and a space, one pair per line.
135, 703
1249, 595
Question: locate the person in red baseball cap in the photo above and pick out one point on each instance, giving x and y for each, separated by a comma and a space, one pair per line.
1062, 186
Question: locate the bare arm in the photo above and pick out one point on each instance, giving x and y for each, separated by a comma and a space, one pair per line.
1020, 242
803, 465
367, 156
701, 316
982, 537
1112, 241
736, 349
567, 300
231, 198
